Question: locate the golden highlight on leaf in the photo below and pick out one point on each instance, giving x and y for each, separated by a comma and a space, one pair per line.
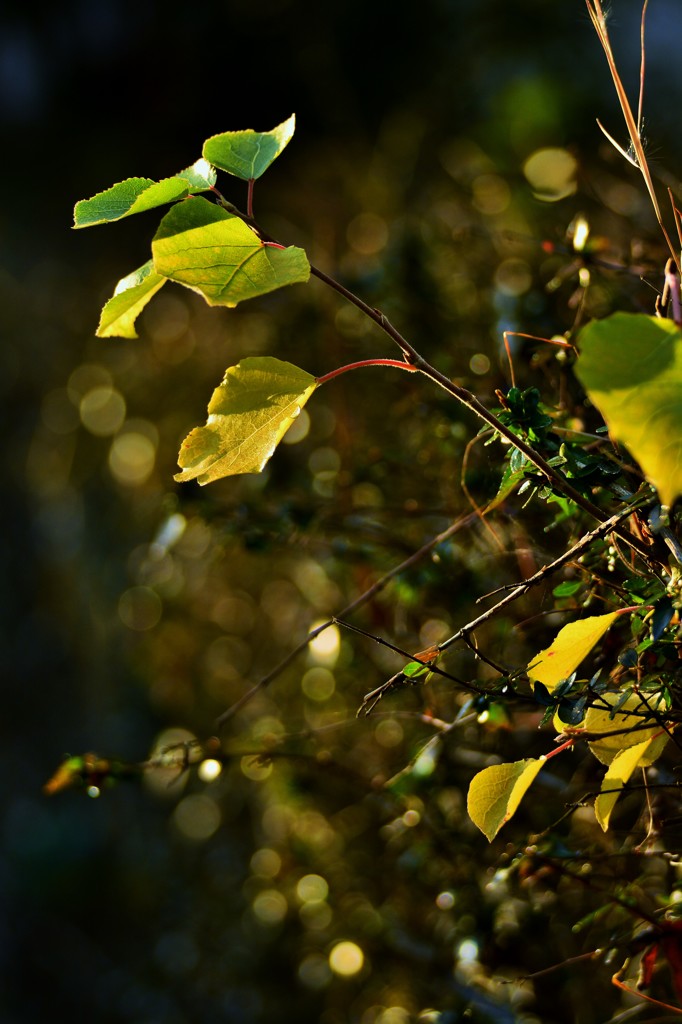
570, 646
619, 772
633, 715
496, 792
131, 295
248, 415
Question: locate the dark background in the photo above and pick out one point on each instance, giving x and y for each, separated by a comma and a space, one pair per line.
109, 911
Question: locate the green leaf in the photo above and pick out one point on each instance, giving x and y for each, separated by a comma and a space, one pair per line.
200, 176
619, 772
248, 154
204, 247
631, 367
568, 588
496, 792
248, 416
131, 295
135, 195
570, 646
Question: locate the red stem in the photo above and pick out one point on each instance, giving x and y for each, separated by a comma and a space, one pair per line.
558, 750
249, 198
366, 362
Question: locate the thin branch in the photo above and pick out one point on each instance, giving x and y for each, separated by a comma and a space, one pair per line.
642, 67
464, 396
600, 531
596, 13
411, 657
462, 523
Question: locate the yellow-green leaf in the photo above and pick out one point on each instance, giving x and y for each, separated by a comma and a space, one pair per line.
131, 295
570, 646
631, 367
619, 771
248, 416
136, 195
202, 246
634, 712
247, 154
496, 792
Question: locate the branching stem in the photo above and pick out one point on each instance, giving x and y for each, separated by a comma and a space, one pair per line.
464, 396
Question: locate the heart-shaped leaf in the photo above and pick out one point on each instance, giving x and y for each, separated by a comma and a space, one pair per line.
135, 195
131, 295
202, 246
248, 154
631, 367
248, 416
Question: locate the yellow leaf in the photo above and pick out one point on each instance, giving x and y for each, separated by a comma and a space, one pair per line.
496, 792
570, 646
619, 771
634, 712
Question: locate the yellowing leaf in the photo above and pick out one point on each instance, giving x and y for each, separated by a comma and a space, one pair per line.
619, 771
633, 713
248, 416
631, 367
203, 247
570, 646
132, 294
496, 792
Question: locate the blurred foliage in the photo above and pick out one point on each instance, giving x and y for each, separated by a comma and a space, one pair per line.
338, 878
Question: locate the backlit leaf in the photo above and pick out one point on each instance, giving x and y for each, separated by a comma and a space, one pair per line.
496, 792
248, 416
247, 154
633, 712
619, 772
135, 195
570, 646
131, 295
631, 367
204, 247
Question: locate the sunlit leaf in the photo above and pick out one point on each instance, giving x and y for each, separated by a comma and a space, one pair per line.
621, 768
135, 195
570, 646
201, 176
248, 416
631, 367
496, 792
131, 295
632, 713
202, 246
247, 154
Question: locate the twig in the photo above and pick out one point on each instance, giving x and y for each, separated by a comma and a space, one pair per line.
462, 523
547, 570
464, 396
599, 21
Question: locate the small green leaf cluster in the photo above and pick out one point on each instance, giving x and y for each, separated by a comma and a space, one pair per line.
210, 249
